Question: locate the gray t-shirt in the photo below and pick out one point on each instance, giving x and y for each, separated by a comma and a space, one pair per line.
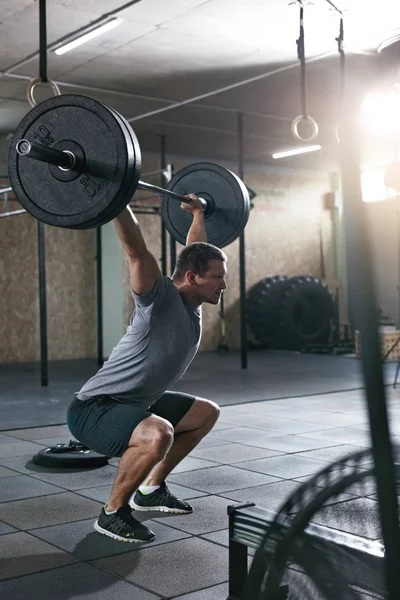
160, 343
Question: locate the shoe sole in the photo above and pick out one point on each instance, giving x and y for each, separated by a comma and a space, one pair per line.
165, 509
118, 538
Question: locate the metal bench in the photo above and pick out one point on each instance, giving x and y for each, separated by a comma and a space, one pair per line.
360, 560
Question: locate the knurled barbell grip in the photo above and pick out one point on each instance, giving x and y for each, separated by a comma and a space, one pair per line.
142, 185
62, 158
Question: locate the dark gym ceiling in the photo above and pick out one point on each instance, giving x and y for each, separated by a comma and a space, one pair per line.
168, 51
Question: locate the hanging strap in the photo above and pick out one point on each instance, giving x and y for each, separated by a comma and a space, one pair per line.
42, 59
302, 57
42, 41
340, 40
304, 116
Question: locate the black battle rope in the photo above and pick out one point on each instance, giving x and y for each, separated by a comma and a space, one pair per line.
302, 58
42, 41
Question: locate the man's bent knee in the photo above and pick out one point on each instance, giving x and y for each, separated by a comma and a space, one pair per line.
209, 410
155, 434
215, 411
202, 414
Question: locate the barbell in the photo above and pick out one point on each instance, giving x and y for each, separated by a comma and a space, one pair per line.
75, 162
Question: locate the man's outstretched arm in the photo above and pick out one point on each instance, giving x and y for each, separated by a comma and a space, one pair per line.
197, 231
144, 269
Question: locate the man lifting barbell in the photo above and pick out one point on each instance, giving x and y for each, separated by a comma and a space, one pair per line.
125, 410
87, 167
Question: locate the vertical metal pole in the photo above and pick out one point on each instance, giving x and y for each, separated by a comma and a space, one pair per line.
99, 297
163, 229
42, 305
364, 315
237, 560
242, 258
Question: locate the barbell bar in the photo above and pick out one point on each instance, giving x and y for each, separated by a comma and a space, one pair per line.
66, 161
85, 167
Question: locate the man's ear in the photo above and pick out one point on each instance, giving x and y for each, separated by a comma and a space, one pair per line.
191, 277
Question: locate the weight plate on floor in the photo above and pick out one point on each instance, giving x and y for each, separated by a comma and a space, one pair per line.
69, 455
112, 163
227, 197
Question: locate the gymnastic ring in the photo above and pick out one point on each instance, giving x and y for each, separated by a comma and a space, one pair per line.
32, 85
314, 127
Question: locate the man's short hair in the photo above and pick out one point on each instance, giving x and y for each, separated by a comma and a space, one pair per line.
195, 257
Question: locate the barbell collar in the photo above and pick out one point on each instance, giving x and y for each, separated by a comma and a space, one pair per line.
142, 185
64, 159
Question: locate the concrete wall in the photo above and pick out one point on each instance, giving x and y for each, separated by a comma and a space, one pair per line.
70, 271
288, 233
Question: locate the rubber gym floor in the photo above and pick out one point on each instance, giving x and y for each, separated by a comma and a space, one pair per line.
283, 419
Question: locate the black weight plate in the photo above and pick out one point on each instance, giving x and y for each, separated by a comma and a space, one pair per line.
132, 136
132, 142
222, 189
110, 163
83, 459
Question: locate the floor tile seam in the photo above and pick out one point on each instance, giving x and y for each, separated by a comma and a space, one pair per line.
16, 577
249, 486
253, 445
198, 535
282, 432
21, 455
201, 536
341, 391
135, 547
232, 464
10, 469
285, 453
14, 440
327, 463
236, 426
81, 561
75, 561
217, 465
209, 587
34, 497
20, 441
356, 496
324, 448
339, 413
32, 529
278, 480
33, 427
37, 478
61, 524
281, 411
31, 532
19, 530
101, 568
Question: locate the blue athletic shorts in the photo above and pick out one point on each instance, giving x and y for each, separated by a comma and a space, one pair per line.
105, 425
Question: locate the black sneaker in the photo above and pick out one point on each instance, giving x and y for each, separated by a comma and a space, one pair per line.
161, 500
122, 526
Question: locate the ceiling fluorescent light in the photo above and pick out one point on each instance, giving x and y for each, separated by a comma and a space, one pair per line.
88, 36
296, 151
